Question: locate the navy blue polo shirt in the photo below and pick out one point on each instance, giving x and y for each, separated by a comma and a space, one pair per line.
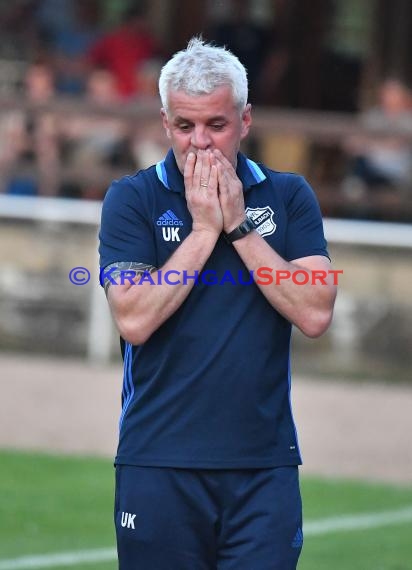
211, 387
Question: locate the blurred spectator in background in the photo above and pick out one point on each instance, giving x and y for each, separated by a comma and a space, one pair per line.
258, 48
29, 158
68, 47
53, 17
14, 142
148, 144
123, 50
93, 142
101, 88
147, 77
39, 83
43, 128
379, 160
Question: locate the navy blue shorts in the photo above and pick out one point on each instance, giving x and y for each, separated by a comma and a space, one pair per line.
204, 519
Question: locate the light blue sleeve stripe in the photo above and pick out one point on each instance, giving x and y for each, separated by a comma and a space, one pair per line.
129, 382
290, 403
162, 174
125, 390
256, 170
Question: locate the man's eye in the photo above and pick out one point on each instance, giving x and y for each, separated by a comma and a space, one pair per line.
183, 127
217, 126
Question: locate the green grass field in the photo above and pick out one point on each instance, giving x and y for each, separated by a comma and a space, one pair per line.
53, 504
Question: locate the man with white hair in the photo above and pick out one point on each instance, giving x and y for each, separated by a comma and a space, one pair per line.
198, 259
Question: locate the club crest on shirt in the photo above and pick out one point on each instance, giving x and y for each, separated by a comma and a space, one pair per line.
263, 220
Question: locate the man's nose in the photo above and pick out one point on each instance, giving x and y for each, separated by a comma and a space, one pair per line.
201, 139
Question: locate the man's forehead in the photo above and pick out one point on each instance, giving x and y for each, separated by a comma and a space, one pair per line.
223, 92
181, 117
219, 102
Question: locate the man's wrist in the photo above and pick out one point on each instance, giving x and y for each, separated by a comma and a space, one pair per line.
205, 237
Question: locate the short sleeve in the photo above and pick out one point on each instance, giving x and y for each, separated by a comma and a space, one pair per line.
305, 234
126, 232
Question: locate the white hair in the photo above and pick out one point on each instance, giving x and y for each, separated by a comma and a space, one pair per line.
200, 69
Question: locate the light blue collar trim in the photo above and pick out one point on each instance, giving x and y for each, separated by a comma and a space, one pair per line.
162, 174
255, 170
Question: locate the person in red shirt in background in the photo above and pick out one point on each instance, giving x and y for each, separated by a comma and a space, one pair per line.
123, 50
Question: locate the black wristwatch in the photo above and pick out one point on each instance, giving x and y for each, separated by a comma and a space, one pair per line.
241, 231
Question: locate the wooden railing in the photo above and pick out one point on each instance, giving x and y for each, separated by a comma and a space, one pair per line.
312, 143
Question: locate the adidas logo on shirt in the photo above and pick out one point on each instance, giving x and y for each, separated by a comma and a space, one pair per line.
170, 224
169, 218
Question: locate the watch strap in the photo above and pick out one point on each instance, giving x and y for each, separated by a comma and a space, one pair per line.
241, 231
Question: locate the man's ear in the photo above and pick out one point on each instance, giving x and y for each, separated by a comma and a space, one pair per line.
165, 121
246, 120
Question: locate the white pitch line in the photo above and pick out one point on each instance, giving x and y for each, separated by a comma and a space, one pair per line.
60, 559
311, 528
357, 522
